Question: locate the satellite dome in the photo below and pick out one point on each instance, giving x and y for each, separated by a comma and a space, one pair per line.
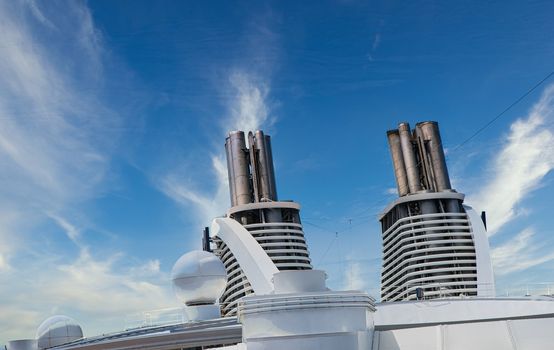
58, 330
199, 278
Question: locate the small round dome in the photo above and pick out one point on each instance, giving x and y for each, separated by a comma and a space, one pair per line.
58, 330
199, 277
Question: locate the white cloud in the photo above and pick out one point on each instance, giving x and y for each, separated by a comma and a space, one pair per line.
35, 10
519, 168
206, 204
524, 160
355, 276
54, 155
391, 190
98, 288
52, 148
3, 263
246, 94
519, 253
71, 231
376, 41
248, 108
98, 293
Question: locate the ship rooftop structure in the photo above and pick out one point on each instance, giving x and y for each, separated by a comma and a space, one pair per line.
274, 224
287, 305
434, 246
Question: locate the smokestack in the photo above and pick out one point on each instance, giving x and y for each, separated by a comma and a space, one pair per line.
254, 166
410, 162
239, 172
264, 167
431, 136
251, 174
427, 176
230, 171
270, 169
398, 162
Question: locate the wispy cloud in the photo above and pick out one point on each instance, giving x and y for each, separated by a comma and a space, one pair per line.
246, 91
72, 232
207, 204
86, 283
248, 110
355, 276
376, 41
50, 139
45, 153
96, 292
525, 158
523, 161
248, 107
55, 156
519, 253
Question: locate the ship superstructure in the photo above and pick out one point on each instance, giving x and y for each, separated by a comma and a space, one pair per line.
434, 246
274, 224
288, 305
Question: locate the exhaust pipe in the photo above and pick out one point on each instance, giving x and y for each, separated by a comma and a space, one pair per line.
270, 169
410, 162
230, 171
241, 175
263, 166
430, 133
254, 166
398, 162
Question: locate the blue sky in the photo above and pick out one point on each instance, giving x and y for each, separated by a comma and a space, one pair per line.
113, 117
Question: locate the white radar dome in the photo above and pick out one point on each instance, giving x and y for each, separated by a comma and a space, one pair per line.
199, 278
58, 330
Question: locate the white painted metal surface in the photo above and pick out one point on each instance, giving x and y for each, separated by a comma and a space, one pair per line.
520, 334
318, 320
22, 344
408, 314
198, 277
250, 256
57, 330
422, 250
485, 275
432, 243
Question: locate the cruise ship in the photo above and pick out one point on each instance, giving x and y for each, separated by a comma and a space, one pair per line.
253, 286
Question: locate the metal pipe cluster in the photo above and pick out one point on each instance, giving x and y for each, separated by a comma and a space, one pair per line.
418, 158
250, 170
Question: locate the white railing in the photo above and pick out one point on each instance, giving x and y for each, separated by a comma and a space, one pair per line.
152, 318
530, 289
445, 290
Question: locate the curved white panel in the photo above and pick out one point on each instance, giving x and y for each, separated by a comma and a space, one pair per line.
253, 260
485, 274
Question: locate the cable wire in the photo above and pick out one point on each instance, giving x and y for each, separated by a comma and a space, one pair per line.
504, 111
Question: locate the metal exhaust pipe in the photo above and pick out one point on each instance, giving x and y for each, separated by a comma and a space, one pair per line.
241, 174
230, 171
270, 169
254, 166
264, 176
410, 163
398, 162
431, 135
425, 164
